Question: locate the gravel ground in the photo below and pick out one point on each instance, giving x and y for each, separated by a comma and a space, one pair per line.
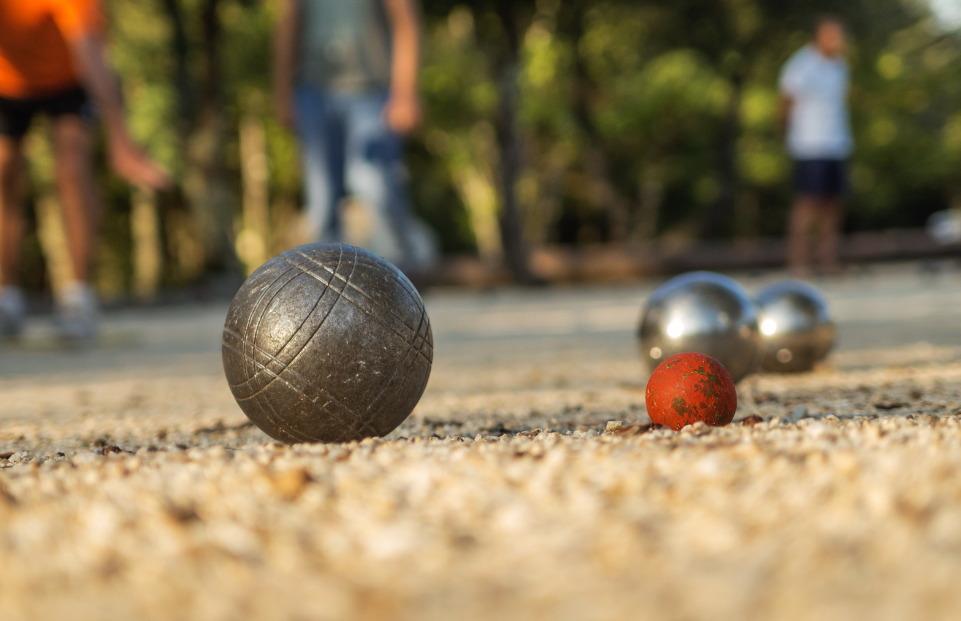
528, 484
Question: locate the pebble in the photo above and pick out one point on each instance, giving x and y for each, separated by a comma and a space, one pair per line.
798, 413
82, 459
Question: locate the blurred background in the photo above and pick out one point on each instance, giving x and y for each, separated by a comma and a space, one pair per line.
554, 129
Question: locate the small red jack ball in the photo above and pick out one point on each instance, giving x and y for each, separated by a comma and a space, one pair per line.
688, 388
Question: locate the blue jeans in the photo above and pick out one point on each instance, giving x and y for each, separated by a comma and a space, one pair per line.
347, 147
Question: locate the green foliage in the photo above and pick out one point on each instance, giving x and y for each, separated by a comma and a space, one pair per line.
646, 86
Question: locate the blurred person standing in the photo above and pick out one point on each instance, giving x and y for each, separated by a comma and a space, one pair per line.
51, 59
814, 115
346, 79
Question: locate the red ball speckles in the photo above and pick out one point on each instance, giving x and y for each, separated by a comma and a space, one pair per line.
690, 387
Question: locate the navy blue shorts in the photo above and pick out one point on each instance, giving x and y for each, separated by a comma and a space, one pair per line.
824, 178
16, 114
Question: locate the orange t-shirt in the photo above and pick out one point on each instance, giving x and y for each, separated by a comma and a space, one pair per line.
35, 57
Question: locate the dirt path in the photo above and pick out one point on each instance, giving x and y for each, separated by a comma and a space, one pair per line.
526, 485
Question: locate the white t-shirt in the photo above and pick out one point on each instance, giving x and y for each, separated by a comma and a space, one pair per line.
818, 127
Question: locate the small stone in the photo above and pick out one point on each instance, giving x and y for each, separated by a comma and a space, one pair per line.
615, 426
798, 413
750, 421
696, 428
289, 484
889, 405
85, 458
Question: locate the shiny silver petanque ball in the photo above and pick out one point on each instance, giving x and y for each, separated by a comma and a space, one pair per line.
327, 343
701, 312
796, 327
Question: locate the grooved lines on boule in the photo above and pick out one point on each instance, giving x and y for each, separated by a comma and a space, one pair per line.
285, 366
247, 357
411, 347
250, 364
357, 303
428, 355
361, 260
293, 351
302, 391
294, 334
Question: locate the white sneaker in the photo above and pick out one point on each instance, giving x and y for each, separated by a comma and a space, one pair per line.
77, 312
13, 309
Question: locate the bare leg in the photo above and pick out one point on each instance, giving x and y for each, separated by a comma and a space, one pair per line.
799, 227
12, 171
831, 215
73, 146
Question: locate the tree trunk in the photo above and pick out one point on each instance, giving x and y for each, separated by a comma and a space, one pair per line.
508, 138
202, 134
146, 240
650, 197
596, 165
253, 242
719, 222
181, 53
205, 181
185, 261
604, 194
52, 233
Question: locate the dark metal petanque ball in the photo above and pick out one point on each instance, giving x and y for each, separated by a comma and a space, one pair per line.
327, 343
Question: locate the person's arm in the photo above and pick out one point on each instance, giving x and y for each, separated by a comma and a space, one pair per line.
285, 50
403, 109
789, 84
126, 157
785, 103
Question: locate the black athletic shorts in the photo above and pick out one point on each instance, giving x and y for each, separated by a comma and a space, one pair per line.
823, 178
16, 114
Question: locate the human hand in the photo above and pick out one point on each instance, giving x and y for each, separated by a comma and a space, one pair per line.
403, 113
135, 166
